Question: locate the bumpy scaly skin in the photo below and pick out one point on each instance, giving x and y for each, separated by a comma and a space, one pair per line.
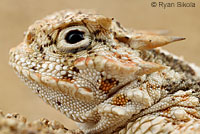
113, 80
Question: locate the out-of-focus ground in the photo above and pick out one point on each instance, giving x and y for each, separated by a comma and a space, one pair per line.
17, 15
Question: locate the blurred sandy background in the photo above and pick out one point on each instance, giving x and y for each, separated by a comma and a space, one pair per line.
17, 15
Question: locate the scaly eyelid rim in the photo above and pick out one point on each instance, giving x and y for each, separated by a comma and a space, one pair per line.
76, 47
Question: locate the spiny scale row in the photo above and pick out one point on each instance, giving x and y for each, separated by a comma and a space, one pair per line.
55, 69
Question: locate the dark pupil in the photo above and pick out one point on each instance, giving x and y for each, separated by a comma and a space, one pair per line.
74, 36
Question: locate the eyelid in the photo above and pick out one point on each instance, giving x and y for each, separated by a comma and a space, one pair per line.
79, 28
63, 46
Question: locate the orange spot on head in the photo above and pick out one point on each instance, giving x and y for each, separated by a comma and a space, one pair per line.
88, 89
87, 60
79, 60
185, 97
38, 75
56, 79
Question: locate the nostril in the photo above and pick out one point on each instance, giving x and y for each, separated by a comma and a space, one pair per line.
30, 37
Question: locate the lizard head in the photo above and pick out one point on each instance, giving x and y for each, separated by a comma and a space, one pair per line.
75, 60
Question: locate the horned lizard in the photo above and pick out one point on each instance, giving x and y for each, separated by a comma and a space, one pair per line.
107, 78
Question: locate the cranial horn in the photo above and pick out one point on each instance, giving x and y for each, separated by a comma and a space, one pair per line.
148, 41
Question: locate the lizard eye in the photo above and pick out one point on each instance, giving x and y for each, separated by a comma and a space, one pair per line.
74, 39
74, 36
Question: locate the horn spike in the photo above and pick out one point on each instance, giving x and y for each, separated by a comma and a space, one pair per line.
149, 67
146, 42
175, 38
